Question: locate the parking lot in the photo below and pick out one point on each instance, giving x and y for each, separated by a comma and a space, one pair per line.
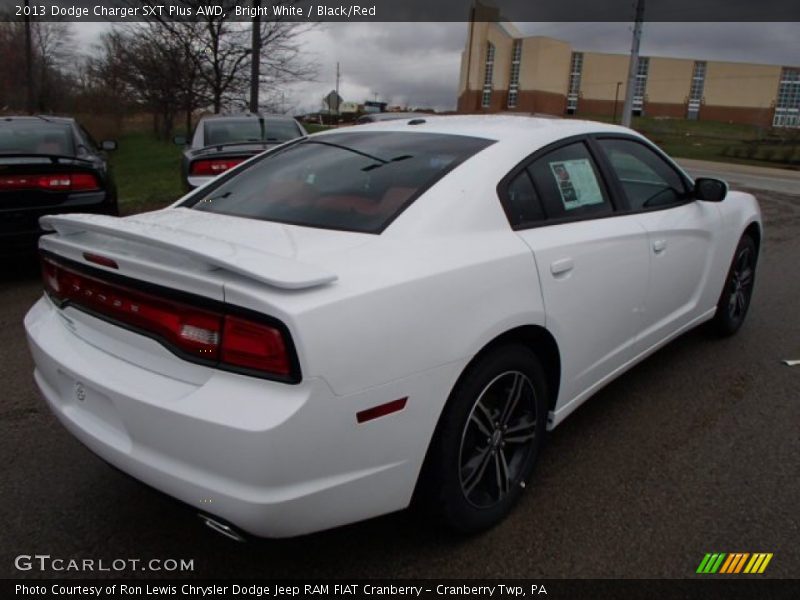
696, 450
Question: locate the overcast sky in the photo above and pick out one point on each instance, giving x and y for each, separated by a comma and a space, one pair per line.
417, 64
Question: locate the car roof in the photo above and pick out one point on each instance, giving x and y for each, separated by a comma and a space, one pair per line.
492, 127
240, 116
388, 116
48, 118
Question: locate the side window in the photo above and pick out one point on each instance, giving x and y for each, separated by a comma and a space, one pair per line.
93, 146
569, 183
648, 181
522, 203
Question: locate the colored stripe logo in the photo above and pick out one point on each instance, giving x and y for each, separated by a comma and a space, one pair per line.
735, 562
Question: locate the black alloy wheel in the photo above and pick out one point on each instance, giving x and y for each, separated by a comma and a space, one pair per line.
735, 298
487, 440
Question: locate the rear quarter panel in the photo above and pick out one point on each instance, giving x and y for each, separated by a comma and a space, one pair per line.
404, 310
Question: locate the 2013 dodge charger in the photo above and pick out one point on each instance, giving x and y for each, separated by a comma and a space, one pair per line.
358, 318
49, 165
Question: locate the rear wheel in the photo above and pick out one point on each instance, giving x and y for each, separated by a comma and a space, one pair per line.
735, 298
487, 441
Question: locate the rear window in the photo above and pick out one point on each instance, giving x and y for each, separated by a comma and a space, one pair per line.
353, 181
227, 131
36, 137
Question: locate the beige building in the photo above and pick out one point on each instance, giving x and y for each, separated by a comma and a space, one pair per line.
501, 70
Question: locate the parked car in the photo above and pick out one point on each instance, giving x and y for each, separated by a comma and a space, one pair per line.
223, 141
388, 116
390, 312
49, 165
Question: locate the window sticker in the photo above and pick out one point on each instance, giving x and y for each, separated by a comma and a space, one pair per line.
576, 183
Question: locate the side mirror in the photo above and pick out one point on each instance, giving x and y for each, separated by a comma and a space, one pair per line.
709, 189
179, 140
108, 145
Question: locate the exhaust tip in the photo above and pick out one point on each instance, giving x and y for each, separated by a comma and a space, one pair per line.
221, 527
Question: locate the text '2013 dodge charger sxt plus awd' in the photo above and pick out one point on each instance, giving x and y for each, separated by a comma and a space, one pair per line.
399, 311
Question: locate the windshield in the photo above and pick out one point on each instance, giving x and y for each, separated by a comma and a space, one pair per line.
349, 181
227, 131
36, 137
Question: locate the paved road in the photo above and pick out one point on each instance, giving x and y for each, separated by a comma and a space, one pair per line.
696, 450
763, 178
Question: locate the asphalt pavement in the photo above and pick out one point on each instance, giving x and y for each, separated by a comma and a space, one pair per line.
770, 179
696, 450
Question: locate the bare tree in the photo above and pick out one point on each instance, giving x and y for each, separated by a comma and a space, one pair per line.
156, 68
104, 80
53, 65
12, 67
220, 49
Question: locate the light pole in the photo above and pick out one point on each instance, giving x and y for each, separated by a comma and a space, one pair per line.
255, 58
633, 66
28, 58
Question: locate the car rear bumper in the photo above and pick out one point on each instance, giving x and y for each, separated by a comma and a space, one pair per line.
274, 459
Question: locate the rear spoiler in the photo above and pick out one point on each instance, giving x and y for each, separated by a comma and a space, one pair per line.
54, 158
226, 145
284, 273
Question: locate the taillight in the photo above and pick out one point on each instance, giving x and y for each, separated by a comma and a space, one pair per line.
254, 346
54, 182
205, 335
215, 166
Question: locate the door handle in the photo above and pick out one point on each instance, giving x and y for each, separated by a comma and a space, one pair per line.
561, 267
659, 246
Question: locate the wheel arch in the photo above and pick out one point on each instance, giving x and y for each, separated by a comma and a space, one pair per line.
542, 343
535, 337
754, 231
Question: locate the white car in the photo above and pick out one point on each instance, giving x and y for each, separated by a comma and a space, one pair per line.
391, 312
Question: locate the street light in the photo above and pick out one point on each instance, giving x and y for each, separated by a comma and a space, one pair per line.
616, 99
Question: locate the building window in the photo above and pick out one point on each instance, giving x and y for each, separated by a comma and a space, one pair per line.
513, 81
486, 101
575, 70
787, 105
696, 89
640, 86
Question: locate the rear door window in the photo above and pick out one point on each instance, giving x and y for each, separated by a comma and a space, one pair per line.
522, 203
569, 183
349, 181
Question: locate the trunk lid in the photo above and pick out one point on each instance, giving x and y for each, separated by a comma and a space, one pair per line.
19, 176
190, 252
184, 243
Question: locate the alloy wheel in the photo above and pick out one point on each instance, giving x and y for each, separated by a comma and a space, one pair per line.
741, 284
498, 438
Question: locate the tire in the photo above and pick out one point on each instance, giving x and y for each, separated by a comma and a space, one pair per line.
734, 301
480, 458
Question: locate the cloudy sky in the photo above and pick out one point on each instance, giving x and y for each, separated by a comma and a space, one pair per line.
417, 64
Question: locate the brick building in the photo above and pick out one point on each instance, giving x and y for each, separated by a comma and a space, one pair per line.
501, 70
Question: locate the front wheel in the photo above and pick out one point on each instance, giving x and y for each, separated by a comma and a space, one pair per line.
487, 440
735, 298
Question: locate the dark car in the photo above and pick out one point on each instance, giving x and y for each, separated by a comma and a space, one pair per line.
389, 116
49, 165
223, 141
